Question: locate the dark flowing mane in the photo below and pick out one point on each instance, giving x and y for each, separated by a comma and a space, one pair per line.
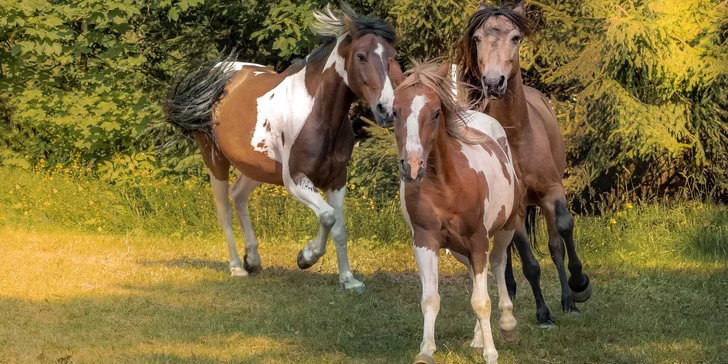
456, 123
329, 26
467, 51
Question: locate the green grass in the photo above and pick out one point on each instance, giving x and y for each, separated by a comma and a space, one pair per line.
147, 289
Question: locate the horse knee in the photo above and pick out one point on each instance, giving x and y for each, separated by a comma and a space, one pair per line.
531, 270
481, 306
327, 219
431, 302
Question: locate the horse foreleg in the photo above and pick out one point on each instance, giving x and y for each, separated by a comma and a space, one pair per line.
240, 191
305, 192
335, 198
477, 342
480, 301
556, 248
426, 255
532, 271
578, 282
225, 217
501, 241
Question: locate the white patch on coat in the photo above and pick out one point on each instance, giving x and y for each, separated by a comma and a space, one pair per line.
387, 96
414, 145
282, 110
499, 189
338, 62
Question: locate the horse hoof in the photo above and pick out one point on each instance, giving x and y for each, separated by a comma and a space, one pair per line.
573, 312
584, 294
510, 335
424, 359
250, 268
302, 263
354, 286
238, 272
547, 324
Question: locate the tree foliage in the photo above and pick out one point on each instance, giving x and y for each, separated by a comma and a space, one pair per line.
638, 86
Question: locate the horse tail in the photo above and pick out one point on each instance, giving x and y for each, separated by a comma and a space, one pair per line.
531, 228
193, 97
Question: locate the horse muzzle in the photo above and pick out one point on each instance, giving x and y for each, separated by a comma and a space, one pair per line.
384, 118
412, 170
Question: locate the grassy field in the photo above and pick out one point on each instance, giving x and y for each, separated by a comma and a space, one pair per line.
147, 289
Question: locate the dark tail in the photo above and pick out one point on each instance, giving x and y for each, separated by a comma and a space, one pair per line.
531, 228
193, 97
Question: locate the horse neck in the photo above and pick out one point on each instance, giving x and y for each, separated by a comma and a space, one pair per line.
440, 161
332, 96
511, 111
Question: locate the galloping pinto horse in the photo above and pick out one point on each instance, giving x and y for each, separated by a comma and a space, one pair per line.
489, 63
290, 129
458, 189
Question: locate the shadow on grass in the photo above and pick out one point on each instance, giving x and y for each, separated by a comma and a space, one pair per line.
283, 315
185, 263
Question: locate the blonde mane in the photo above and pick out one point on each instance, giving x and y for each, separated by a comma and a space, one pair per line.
330, 23
456, 119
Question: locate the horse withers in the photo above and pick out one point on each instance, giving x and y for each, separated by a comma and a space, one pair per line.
290, 129
458, 189
489, 65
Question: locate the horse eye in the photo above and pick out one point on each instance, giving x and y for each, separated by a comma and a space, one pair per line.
517, 39
476, 39
361, 58
437, 115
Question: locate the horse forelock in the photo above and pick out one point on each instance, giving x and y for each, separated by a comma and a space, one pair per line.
330, 24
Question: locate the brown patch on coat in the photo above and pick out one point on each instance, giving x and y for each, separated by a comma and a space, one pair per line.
499, 222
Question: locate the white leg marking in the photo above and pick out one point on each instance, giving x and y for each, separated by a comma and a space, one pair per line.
481, 305
501, 240
241, 190
338, 233
225, 217
427, 265
308, 195
477, 342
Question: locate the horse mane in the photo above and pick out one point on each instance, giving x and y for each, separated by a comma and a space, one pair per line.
467, 51
330, 24
455, 116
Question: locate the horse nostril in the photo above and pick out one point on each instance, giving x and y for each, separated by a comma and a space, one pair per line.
380, 109
501, 81
422, 162
401, 162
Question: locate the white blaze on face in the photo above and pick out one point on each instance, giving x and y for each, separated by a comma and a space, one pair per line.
387, 97
414, 145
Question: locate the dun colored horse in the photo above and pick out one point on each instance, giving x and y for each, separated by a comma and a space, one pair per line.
458, 189
290, 129
489, 63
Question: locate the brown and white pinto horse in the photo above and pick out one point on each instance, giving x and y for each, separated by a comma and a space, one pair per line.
290, 129
489, 64
458, 189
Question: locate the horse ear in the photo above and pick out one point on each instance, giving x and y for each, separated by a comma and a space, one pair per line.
520, 9
395, 72
482, 7
444, 70
351, 26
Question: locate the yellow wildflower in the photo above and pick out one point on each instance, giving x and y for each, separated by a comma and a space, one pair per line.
612, 221
628, 205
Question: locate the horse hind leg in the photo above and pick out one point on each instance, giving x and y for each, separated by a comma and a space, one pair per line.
532, 272
219, 167
240, 191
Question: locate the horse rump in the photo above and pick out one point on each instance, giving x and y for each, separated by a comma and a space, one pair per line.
193, 97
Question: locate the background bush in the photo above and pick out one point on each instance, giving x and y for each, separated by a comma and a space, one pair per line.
638, 86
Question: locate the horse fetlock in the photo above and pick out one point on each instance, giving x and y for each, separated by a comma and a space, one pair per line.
490, 356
